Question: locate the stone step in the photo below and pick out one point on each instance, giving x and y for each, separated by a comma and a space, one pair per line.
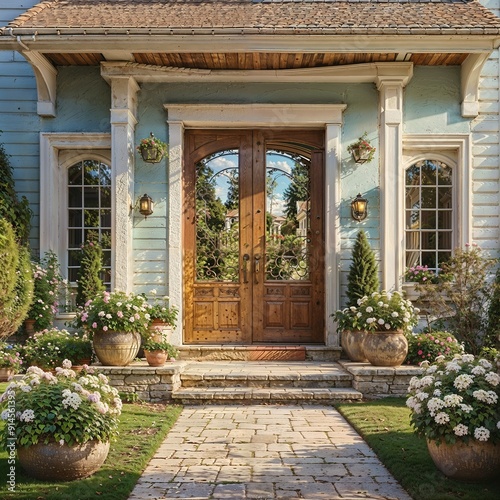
259, 395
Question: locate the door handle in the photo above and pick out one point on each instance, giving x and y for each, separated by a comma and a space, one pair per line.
246, 258
256, 267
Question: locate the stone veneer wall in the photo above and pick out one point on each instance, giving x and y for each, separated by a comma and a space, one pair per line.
380, 381
149, 383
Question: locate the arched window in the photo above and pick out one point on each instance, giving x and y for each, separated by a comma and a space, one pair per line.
89, 213
429, 187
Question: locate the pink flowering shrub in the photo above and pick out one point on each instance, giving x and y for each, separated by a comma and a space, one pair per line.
61, 408
428, 346
420, 274
115, 311
10, 357
456, 400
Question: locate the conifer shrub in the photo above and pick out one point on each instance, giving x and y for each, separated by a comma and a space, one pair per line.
363, 272
89, 281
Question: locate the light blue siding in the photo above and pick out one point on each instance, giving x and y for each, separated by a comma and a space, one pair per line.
18, 119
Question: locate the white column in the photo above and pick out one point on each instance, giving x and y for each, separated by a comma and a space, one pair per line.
123, 121
175, 283
332, 229
391, 179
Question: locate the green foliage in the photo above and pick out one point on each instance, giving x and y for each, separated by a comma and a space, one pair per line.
362, 148
162, 310
61, 408
129, 397
48, 283
462, 297
456, 400
378, 312
363, 272
50, 348
493, 331
89, 280
151, 345
13, 209
428, 346
298, 190
16, 283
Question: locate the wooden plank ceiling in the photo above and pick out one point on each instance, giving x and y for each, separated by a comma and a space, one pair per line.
255, 60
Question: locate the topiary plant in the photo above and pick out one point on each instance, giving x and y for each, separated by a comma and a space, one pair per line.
16, 281
89, 282
493, 335
363, 272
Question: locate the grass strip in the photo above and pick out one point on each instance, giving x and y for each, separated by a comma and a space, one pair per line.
385, 426
142, 429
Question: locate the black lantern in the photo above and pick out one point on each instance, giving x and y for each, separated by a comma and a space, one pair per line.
359, 208
146, 205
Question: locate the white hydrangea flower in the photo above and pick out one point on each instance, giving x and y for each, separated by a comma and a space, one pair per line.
27, 416
492, 378
482, 434
5, 415
26, 388
369, 309
66, 364
463, 381
369, 321
461, 430
421, 395
442, 418
478, 370
380, 321
466, 408
436, 393
489, 397
73, 400
431, 369
452, 400
426, 381
452, 366
485, 364
394, 314
467, 358
434, 405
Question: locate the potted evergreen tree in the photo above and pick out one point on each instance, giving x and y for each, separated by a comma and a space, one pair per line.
362, 281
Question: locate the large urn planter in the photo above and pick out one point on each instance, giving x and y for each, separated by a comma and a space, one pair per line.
352, 344
56, 462
116, 348
472, 461
6, 374
385, 348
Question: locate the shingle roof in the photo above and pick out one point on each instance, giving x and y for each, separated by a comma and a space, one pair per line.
460, 17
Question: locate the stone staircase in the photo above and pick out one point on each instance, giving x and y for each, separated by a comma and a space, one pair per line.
264, 382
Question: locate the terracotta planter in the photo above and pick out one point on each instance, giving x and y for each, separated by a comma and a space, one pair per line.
352, 343
29, 327
156, 358
151, 155
385, 348
57, 462
116, 348
6, 373
472, 461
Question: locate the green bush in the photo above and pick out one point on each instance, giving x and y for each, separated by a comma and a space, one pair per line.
13, 209
16, 281
363, 272
89, 282
427, 346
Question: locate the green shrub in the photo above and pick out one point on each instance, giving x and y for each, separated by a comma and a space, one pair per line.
89, 282
16, 281
363, 272
13, 209
427, 346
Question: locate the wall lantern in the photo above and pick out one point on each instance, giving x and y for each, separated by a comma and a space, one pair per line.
359, 208
146, 205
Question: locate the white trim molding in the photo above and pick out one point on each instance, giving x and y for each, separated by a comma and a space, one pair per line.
327, 116
469, 83
53, 182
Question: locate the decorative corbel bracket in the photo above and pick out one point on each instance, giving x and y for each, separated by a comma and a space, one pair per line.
46, 76
469, 83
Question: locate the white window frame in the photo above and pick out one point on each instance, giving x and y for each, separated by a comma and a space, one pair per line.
57, 153
454, 150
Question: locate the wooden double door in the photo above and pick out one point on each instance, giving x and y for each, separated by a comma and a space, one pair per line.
254, 236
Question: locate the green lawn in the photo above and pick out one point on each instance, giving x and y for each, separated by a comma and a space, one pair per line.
142, 429
385, 425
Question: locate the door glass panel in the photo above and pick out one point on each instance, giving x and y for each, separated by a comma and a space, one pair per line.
288, 204
217, 217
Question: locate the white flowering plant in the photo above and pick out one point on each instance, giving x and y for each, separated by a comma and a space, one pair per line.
61, 408
160, 309
115, 311
456, 400
379, 312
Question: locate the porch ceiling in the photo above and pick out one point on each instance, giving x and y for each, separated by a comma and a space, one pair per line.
254, 60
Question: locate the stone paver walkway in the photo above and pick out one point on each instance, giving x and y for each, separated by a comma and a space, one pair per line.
265, 452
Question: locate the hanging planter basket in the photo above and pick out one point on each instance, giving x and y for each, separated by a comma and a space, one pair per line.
152, 149
361, 150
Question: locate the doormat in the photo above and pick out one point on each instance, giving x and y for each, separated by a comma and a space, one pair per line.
276, 353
